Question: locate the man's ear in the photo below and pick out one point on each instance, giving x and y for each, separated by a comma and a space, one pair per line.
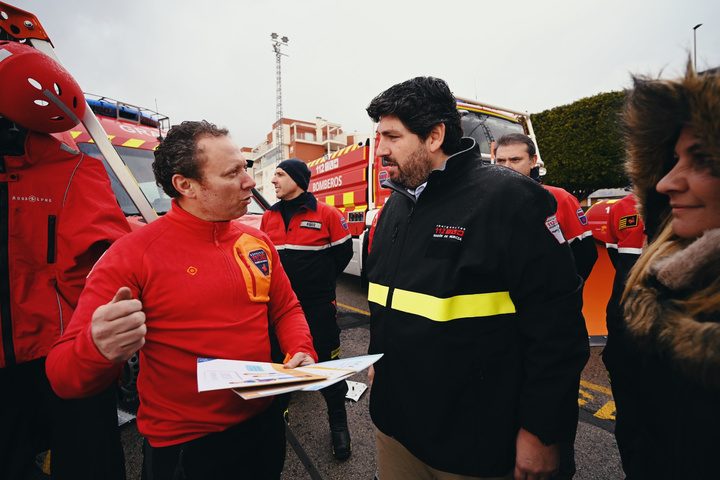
184, 185
436, 138
533, 161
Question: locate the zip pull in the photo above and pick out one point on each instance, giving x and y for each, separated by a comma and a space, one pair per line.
215, 234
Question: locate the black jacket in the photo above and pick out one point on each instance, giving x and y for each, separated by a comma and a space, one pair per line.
476, 306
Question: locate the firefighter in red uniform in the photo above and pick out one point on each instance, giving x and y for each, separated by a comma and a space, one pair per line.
315, 246
58, 215
517, 152
625, 240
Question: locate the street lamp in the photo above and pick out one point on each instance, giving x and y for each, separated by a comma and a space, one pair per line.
695, 42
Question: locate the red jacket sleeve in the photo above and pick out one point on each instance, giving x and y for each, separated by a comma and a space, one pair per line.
91, 221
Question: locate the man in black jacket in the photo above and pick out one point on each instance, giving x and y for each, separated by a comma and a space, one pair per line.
473, 292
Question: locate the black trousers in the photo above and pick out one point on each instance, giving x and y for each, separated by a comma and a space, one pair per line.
623, 367
82, 434
254, 449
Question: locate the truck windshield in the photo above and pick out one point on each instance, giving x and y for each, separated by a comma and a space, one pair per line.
486, 129
139, 162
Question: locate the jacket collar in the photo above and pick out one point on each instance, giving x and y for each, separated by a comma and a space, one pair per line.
40, 147
195, 225
310, 203
454, 165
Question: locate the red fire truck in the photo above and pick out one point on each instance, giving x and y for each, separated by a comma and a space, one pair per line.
134, 133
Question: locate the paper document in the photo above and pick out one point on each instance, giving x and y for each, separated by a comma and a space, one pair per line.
258, 379
218, 374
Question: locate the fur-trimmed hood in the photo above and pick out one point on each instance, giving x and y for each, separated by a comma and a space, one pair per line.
666, 313
655, 112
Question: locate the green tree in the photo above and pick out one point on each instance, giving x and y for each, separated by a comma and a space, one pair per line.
581, 144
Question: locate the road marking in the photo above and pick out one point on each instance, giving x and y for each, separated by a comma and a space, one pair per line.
607, 411
357, 310
597, 388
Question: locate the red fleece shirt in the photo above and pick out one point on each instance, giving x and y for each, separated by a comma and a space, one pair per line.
208, 290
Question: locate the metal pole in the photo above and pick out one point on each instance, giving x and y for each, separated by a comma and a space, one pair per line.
279, 133
695, 44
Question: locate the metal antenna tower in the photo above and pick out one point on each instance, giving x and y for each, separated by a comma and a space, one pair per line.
278, 43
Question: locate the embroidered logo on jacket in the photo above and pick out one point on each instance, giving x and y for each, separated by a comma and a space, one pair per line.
30, 198
628, 221
260, 259
554, 226
581, 216
343, 223
451, 233
310, 224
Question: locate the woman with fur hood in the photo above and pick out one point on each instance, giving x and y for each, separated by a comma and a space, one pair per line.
672, 299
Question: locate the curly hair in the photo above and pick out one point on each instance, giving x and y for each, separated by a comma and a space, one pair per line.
420, 104
178, 153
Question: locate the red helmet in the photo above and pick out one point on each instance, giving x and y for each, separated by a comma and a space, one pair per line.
36, 92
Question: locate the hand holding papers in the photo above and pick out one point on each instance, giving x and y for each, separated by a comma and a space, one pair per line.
258, 379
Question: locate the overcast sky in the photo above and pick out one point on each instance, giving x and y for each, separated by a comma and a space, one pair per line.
213, 59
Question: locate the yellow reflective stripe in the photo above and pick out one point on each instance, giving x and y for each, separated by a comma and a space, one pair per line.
378, 294
446, 309
133, 143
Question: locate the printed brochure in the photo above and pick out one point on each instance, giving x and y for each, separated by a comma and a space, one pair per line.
257, 379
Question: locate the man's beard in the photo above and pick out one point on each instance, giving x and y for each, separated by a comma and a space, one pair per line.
415, 170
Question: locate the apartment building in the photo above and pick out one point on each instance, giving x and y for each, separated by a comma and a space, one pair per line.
304, 140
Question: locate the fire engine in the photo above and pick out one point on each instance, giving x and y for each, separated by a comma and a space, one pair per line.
135, 132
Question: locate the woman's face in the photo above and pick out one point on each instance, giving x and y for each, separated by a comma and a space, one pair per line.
694, 192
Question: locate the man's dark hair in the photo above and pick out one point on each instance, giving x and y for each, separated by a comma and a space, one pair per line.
420, 104
178, 153
514, 138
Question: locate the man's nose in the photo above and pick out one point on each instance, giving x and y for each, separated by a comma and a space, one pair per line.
382, 149
248, 181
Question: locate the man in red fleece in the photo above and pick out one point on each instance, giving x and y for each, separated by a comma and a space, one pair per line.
192, 284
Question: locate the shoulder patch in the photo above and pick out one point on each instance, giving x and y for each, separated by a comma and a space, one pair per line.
311, 224
628, 221
343, 223
260, 260
581, 216
554, 226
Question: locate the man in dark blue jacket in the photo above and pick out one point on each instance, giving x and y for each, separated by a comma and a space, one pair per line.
315, 246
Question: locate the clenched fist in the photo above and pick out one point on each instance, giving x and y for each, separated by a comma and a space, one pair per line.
118, 328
